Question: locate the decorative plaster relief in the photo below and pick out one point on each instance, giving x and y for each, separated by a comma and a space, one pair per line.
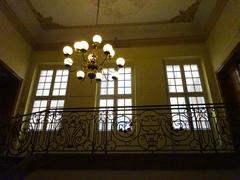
135, 6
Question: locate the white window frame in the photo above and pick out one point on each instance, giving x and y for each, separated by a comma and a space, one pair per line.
47, 118
115, 97
191, 124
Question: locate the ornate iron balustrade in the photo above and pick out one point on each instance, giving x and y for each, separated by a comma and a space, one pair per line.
155, 129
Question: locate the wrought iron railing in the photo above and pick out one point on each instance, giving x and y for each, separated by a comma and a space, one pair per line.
155, 129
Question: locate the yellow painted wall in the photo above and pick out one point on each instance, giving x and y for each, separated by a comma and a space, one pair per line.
225, 34
149, 77
14, 50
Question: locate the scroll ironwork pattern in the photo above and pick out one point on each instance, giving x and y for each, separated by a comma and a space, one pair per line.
147, 129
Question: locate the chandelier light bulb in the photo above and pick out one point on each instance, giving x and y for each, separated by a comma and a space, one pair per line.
112, 53
98, 76
68, 62
115, 75
97, 39
90, 57
67, 50
81, 46
120, 62
80, 74
107, 48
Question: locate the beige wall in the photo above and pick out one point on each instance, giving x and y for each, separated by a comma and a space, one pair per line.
149, 77
14, 50
225, 34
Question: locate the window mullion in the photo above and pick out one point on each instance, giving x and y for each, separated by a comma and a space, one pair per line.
185, 94
51, 88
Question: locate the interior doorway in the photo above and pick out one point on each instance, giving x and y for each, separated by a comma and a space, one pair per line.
229, 78
10, 84
229, 81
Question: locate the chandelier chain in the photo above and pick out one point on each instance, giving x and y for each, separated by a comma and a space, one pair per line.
97, 15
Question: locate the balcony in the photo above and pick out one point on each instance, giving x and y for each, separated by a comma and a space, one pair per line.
200, 129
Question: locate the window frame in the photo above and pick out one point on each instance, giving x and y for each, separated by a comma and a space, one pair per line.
50, 97
116, 96
181, 62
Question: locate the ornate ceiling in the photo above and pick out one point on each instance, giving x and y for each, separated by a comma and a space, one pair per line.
132, 22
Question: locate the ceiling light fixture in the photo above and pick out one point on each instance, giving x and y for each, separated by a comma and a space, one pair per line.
93, 60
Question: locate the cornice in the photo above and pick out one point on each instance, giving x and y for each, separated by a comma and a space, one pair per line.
133, 42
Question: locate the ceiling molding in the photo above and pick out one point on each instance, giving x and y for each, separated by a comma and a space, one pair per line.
12, 17
184, 16
188, 14
214, 16
133, 42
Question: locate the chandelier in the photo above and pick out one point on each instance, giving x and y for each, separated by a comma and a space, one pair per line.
91, 58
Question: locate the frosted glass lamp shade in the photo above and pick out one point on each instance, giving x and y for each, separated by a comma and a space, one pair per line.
67, 50
120, 62
107, 48
97, 39
115, 75
112, 53
68, 62
80, 74
81, 46
98, 76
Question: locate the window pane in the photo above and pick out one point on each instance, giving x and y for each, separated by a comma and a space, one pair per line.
128, 91
45, 93
120, 83
199, 113
174, 79
55, 115
179, 88
178, 81
193, 81
103, 91
37, 119
106, 114
120, 90
124, 116
48, 79
44, 83
170, 75
172, 89
110, 91
60, 84
176, 68
179, 114
43, 73
194, 67
169, 68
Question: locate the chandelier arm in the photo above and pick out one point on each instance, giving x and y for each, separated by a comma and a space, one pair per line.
105, 59
72, 69
83, 57
97, 14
